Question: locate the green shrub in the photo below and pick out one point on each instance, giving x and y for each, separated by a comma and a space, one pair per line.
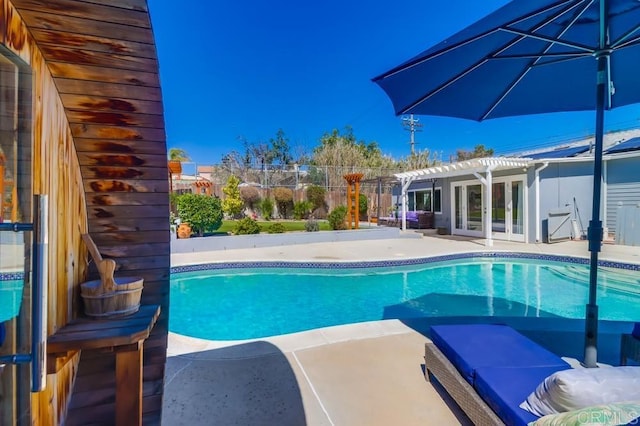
276, 228
316, 194
246, 226
202, 212
337, 218
232, 203
301, 209
363, 204
284, 200
266, 208
311, 225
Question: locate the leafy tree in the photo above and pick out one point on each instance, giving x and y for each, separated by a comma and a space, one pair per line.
201, 212
479, 151
316, 194
178, 154
342, 153
250, 196
232, 203
284, 200
418, 160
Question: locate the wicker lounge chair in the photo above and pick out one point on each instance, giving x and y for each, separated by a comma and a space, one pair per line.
630, 346
488, 370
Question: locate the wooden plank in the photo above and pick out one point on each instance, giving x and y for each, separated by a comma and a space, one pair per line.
93, 43
43, 20
132, 225
116, 146
140, 5
125, 185
120, 332
110, 172
129, 387
135, 212
122, 160
117, 132
118, 238
108, 89
78, 9
104, 74
98, 103
115, 118
142, 262
105, 59
126, 199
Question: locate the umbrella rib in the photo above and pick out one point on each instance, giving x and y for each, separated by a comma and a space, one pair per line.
535, 60
551, 40
625, 39
443, 86
418, 61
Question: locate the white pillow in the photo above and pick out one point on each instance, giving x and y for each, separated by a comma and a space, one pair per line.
573, 389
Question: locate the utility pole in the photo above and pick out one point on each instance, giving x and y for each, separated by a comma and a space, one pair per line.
412, 125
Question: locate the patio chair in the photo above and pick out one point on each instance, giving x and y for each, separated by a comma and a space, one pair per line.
630, 346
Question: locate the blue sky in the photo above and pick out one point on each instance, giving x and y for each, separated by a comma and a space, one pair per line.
233, 70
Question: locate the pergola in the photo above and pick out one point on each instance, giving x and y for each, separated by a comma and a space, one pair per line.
481, 168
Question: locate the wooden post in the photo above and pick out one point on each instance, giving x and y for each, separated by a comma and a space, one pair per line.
353, 199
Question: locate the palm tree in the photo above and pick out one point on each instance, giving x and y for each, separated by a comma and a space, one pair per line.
176, 157
178, 154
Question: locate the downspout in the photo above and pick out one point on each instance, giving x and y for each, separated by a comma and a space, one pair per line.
537, 185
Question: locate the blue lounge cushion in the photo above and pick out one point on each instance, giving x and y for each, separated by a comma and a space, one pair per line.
473, 346
636, 330
504, 388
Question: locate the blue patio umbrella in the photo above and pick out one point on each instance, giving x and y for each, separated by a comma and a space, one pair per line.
530, 57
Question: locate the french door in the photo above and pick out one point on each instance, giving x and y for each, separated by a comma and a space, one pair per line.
507, 208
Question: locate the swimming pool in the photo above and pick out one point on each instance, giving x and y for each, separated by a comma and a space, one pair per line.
245, 303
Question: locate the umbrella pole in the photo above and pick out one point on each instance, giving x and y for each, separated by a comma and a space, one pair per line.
595, 232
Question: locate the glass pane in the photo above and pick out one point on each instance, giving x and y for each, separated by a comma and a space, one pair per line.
15, 206
474, 207
411, 202
517, 211
498, 223
458, 207
423, 200
437, 201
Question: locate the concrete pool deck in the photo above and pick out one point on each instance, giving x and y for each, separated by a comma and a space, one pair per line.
369, 373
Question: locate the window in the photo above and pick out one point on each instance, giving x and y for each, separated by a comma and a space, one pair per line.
426, 200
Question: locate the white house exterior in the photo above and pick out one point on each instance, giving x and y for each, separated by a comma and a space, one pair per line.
537, 196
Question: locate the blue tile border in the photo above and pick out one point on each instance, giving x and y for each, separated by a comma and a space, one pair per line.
398, 262
11, 276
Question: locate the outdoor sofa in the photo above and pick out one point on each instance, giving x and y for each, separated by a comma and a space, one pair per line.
415, 219
490, 370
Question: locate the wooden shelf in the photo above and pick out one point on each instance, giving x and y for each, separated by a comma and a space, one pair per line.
125, 336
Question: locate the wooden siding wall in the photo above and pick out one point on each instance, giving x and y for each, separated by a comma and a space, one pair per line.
101, 155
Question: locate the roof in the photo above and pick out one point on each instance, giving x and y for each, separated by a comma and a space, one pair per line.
630, 145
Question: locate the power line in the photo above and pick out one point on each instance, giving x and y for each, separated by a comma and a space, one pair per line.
412, 125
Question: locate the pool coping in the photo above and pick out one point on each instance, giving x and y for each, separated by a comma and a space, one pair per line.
355, 264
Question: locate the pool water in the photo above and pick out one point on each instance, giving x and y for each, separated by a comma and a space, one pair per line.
10, 299
251, 303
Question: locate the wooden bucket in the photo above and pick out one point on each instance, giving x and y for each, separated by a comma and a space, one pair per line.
124, 300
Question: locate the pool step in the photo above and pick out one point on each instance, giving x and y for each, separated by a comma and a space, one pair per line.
625, 282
